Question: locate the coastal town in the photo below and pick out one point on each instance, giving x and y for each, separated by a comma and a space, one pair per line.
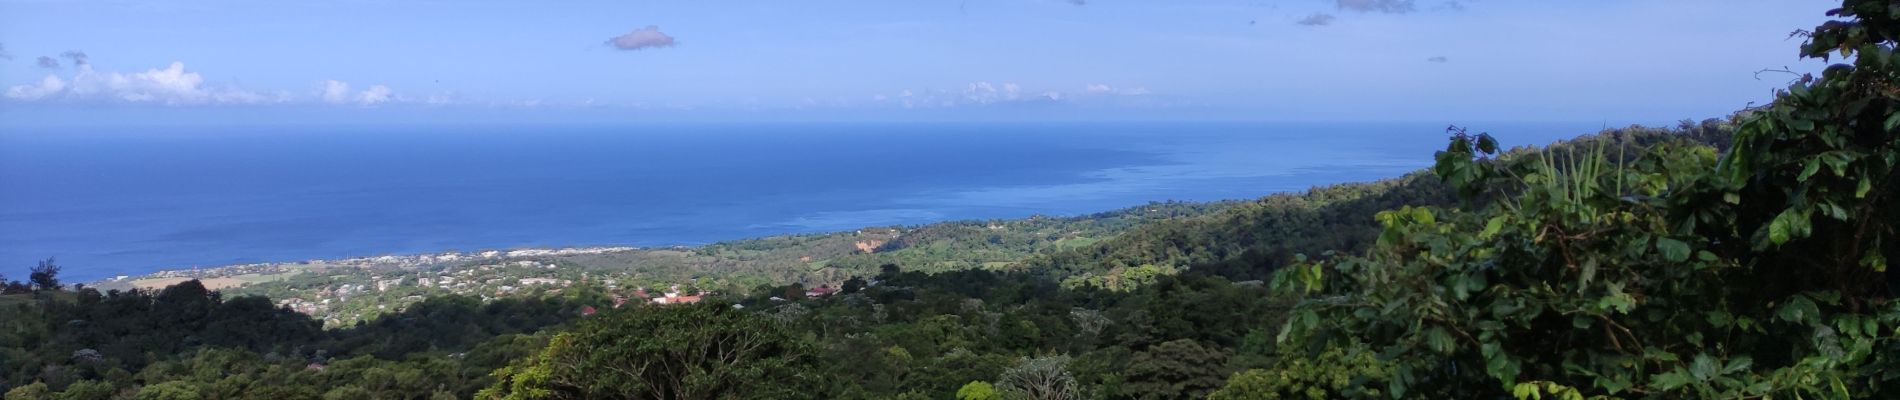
342, 292
346, 290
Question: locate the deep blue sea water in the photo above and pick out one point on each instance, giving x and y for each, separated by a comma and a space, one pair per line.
131, 200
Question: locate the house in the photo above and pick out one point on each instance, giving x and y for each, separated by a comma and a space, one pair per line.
821, 290
587, 311
676, 298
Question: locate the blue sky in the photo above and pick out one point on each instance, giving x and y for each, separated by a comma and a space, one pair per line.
1612, 60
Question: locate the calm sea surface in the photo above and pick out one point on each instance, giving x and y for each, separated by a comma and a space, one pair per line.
124, 201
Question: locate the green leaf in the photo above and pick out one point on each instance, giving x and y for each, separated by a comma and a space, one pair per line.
1439, 340
1423, 216
1806, 172
1671, 380
1501, 367
1313, 276
1790, 224
1798, 309
1837, 161
1738, 364
1778, 231
1588, 272
1492, 227
1800, 124
1703, 367
1614, 385
1527, 391
1720, 319
1672, 249
1834, 211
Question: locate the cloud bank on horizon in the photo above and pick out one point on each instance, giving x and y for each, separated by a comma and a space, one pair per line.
172, 85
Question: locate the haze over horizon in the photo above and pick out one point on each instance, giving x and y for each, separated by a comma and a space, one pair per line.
420, 61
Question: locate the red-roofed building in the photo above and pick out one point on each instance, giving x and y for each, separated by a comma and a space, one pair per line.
587, 310
676, 298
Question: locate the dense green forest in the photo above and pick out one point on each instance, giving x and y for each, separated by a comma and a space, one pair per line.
1738, 258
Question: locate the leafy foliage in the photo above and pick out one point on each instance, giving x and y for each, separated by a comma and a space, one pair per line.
1669, 273
704, 351
1041, 378
1337, 373
1636, 263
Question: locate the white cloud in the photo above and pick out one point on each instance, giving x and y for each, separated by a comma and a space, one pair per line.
177, 86
980, 93
989, 93
172, 85
1105, 89
338, 92
335, 91
46, 87
375, 95
648, 37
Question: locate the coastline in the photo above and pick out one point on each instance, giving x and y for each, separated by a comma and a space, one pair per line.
237, 275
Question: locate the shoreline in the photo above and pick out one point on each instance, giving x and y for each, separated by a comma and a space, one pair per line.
269, 271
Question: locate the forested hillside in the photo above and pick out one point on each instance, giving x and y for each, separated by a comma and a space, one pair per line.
895, 332
1739, 258
1252, 240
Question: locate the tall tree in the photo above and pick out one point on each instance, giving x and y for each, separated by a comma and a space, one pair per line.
1817, 166
697, 351
45, 276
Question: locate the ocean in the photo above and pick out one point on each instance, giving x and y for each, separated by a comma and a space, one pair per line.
110, 201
